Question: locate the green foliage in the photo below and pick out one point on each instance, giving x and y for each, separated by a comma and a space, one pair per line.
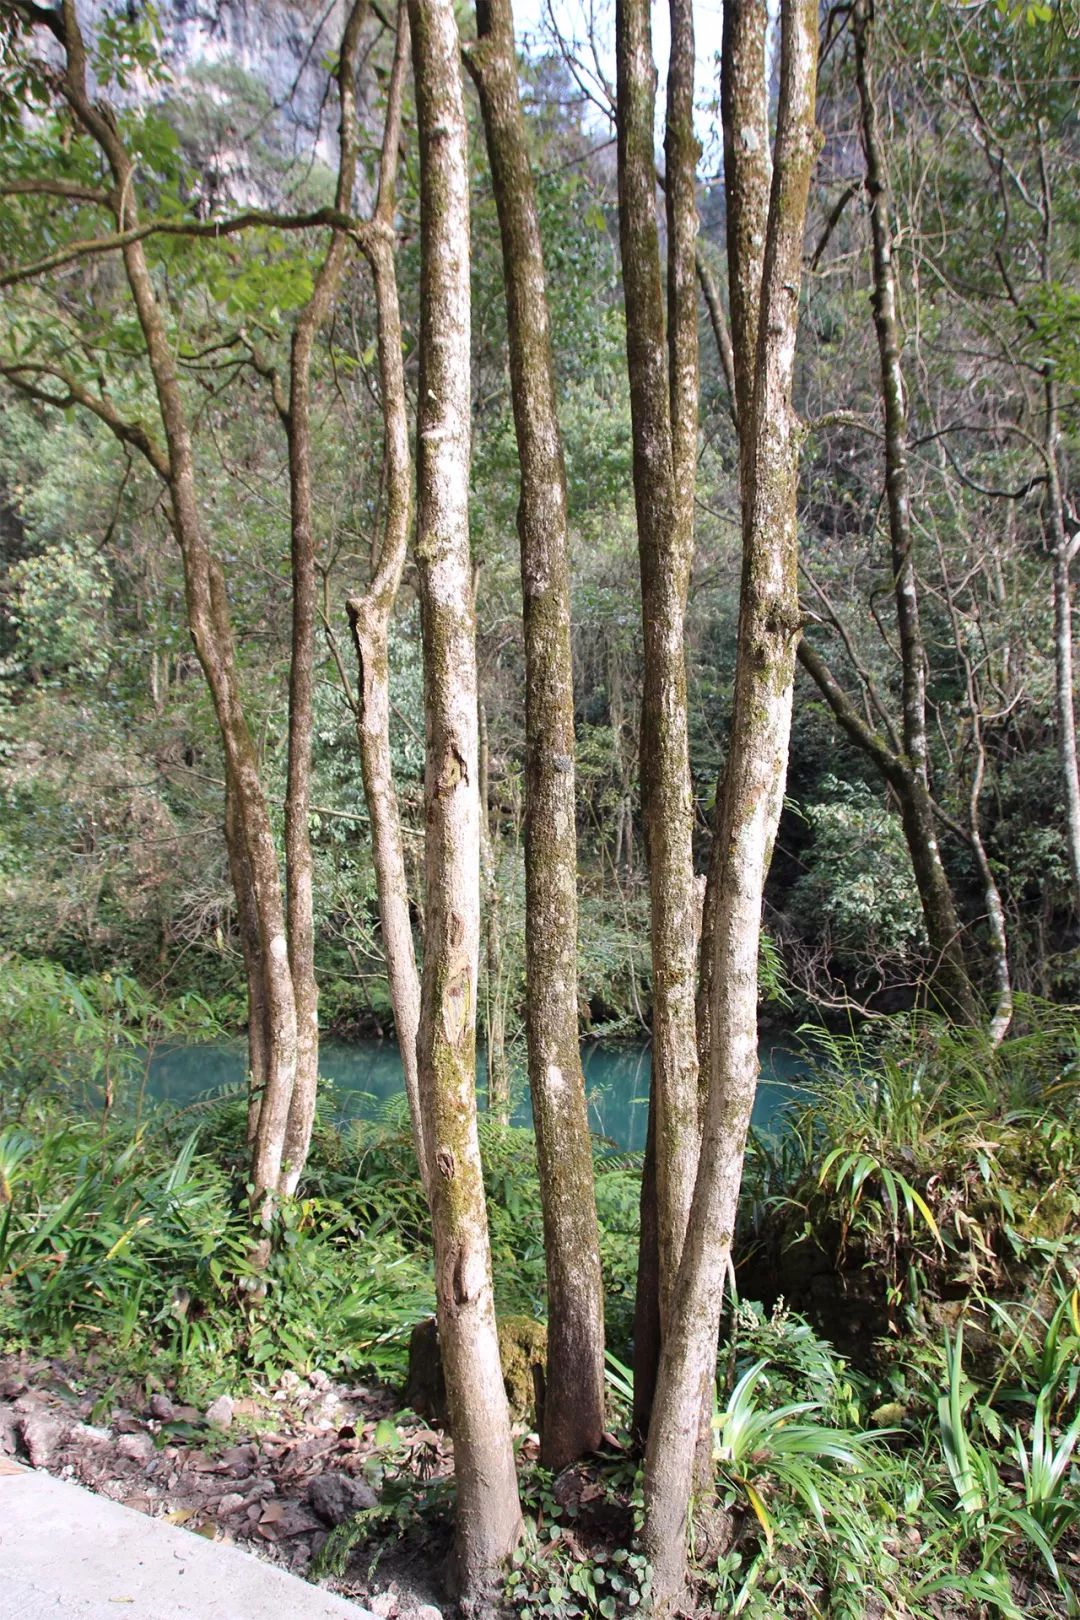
58, 605
859, 893
996, 1518
932, 1157
141, 1242
85, 1039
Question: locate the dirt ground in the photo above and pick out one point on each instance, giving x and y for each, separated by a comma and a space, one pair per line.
273, 1473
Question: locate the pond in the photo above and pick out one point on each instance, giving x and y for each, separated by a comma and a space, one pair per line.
366, 1074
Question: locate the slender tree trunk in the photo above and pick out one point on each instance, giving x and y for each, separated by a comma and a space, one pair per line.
498, 1076
941, 920
209, 624
488, 1511
663, 401
744, 101
370, 615
573, 1420
248, 929
753, 792
1064, 702
1063, 550
299, 869
647, 1288
1001, 1017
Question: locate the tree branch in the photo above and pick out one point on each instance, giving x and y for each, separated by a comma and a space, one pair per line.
74, 190
128, 432
172, 227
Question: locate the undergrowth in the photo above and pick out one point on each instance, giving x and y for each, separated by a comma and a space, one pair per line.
926, 1177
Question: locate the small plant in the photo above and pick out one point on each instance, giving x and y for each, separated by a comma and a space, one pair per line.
997, 1519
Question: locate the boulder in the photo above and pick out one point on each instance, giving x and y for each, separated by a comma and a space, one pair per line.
335, 1497
522, 1352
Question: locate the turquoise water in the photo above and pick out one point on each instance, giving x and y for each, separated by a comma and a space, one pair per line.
366, 1074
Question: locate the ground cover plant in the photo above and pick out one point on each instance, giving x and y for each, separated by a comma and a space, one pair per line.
935, 1473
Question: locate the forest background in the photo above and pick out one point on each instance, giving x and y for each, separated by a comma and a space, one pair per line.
112, 853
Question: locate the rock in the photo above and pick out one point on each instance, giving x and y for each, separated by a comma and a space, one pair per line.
162, 1408
425, 1387
219, 1414
9, 1431
427, 1611
383, 1604
136, 1447
42, 1435
522, 1351
231, 1502
85, 1434
335, 1497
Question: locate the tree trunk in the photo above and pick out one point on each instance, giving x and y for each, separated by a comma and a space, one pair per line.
940, 912
247, 923
370, 615
663, 403
298, 858
1064, 703
573, 1419
210, 627
488, 1512
1063, 549
498, 1075
753, 783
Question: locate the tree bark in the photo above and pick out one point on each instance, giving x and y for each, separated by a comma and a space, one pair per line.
370, 615
247, 923
488, 1511
573, 1419
1063, 549
943, 928
208, 622
498, 1075
663, 404
298, 858
753, 779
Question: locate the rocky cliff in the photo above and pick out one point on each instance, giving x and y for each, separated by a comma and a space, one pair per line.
249, 89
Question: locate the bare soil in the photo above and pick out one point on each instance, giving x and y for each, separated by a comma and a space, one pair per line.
272, 1473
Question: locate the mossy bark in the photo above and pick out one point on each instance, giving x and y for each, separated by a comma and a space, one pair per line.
498, 1072
488, 1511
299, 866
208, 621
662, 370
371, 613
574, 1408
247, 922
943, 928
753, 779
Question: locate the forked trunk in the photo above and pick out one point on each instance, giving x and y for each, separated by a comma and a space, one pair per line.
370, 615
662, 366
753, 793
299, 867
488, 1512
573, 1418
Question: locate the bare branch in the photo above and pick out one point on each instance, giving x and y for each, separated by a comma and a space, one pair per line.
173, 227
73, 190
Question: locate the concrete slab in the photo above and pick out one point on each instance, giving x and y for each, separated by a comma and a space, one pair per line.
66, 1554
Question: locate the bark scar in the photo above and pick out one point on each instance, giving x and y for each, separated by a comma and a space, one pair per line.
454, 1291
446, 1163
